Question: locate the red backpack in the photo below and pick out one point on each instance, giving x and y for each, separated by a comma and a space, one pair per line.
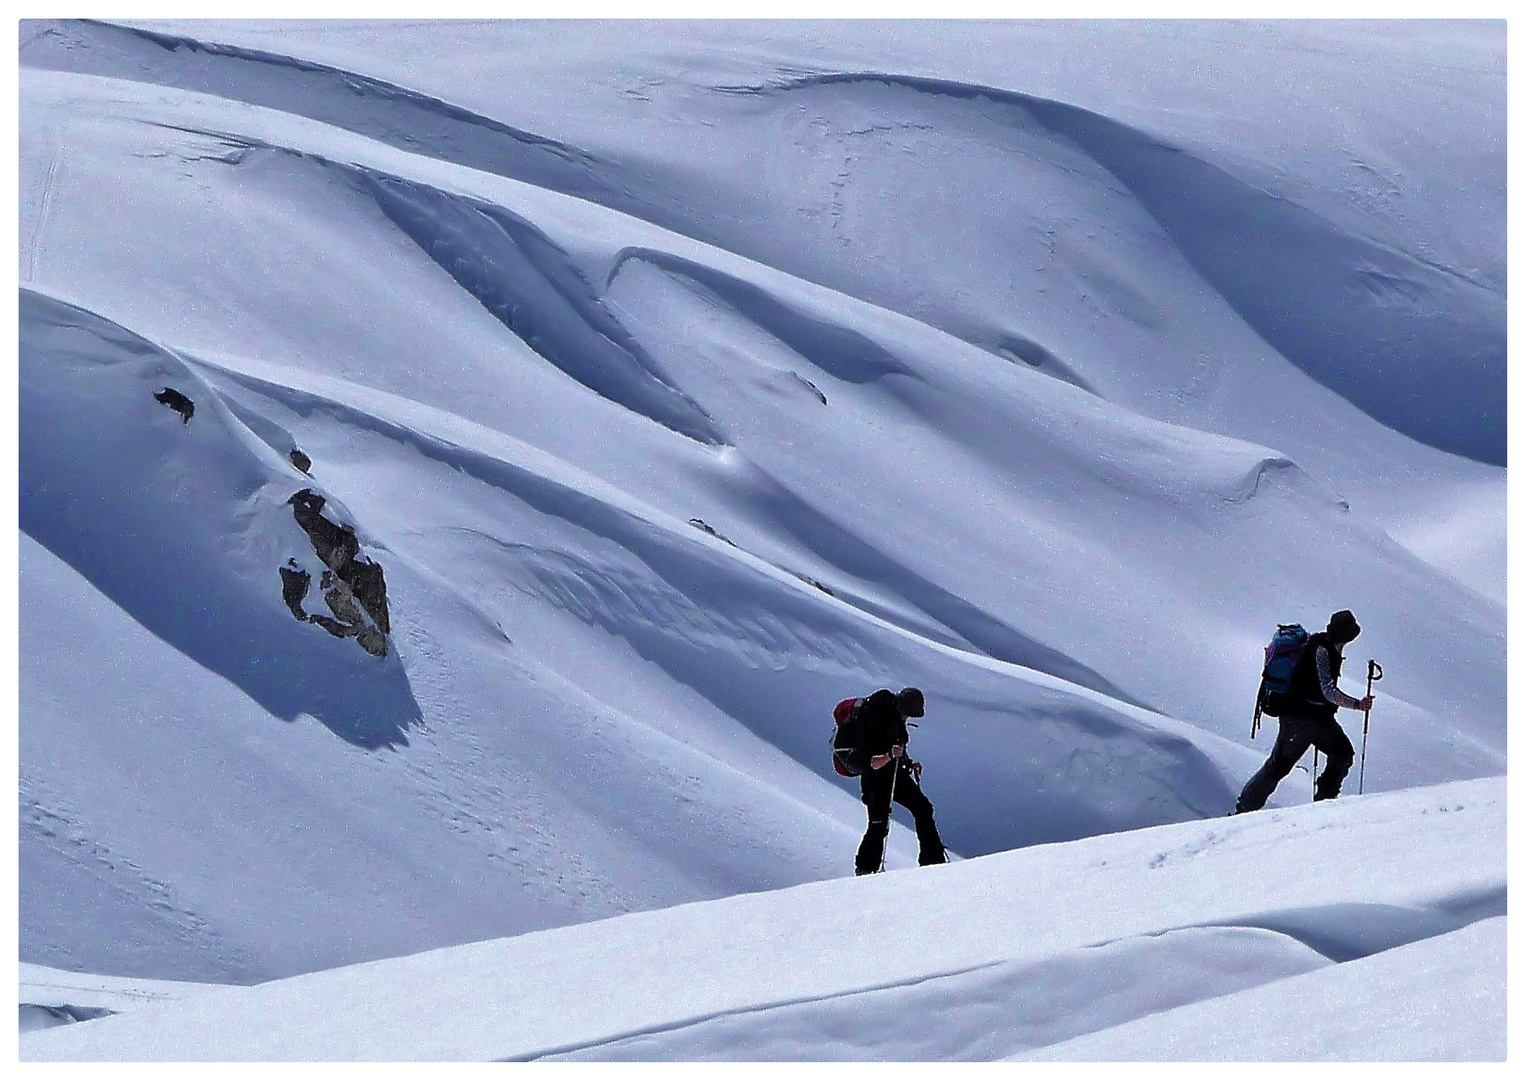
844, 741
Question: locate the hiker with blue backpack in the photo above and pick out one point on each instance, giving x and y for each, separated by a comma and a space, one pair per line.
870, 742
1300, 685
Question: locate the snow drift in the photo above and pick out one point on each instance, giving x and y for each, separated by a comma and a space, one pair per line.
1145, 945
683, 385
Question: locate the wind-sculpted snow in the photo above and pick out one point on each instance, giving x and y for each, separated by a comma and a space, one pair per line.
383, 111
683, 394
1385, 328
758, 642
985, 1014
533, 289
50, 997
183, 525
837, 350
1427, 341
1020, 952
1319, 295
1433, 1001
1001, 1010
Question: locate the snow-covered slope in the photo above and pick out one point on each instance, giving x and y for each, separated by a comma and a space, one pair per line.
1188, 941
682, 381
50, 997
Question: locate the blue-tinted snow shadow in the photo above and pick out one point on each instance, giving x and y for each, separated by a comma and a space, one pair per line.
155, 515
287, 668
1317, 292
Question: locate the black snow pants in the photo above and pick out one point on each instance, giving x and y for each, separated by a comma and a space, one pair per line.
876, 796
1293, 738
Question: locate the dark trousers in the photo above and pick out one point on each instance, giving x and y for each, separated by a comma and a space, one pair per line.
1293, 738
876, 796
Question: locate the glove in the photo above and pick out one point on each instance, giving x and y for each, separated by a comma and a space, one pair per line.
916, 771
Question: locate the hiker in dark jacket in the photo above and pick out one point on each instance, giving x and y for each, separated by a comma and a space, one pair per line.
882, 736
1308, 717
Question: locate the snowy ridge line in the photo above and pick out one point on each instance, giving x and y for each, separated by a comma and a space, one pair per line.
731, 955
393, 115
40, 981
419, 425
1356, 295
761, 1007
120, 335
769, 306
1301, 945
350, 81
1441, 999
530, 285
207, 501
850, 343
786, 296
342, 402
50, 997
855, 355
1150, 726
1060, 117
412, 423
822, 341
1357, 930
840, 350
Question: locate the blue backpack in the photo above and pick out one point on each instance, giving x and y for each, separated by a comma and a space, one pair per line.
1276, 675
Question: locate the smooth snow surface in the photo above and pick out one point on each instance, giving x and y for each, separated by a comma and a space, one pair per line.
51, 998
684, 379
1143, 944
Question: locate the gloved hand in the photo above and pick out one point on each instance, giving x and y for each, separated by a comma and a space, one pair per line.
915, 770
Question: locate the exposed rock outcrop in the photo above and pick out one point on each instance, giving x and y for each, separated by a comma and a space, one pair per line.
294, 585
353, 587
174, 399
301, 461
370, 588
334, 544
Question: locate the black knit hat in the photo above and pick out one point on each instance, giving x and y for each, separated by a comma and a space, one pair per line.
1343, 626
911, 702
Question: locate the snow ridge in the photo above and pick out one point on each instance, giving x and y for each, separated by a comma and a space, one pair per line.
682, 386
932, 954
1412, 321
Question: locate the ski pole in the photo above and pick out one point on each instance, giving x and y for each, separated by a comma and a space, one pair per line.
1373, 674
889, 813
1314, 772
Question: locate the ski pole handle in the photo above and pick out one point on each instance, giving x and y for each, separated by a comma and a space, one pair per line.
1373, 674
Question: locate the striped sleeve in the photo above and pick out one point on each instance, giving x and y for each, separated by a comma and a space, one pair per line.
1332, 693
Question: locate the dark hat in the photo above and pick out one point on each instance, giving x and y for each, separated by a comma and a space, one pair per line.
1343, 626
911, 702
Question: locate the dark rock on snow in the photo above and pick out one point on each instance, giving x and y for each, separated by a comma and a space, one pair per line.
294, 585
353, 586
174, 399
